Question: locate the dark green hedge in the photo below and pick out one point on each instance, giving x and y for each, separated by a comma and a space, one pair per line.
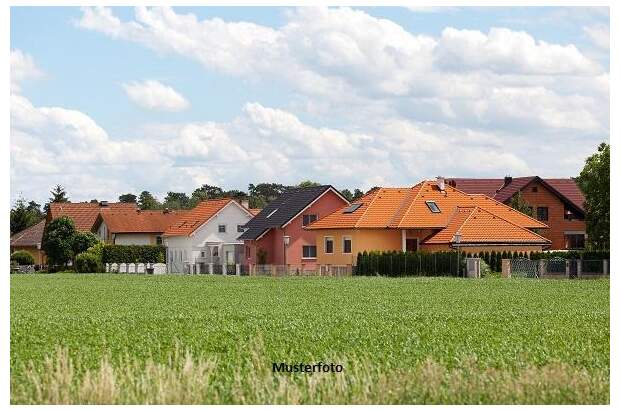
134, 254
408, 263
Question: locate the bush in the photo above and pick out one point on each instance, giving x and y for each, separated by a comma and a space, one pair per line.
82, 241
133, 254
22, 258
87, 262
397, 263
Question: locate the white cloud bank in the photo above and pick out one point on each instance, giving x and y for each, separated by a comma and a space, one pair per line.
154, 95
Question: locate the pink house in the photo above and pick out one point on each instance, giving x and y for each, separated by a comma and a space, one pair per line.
276, 236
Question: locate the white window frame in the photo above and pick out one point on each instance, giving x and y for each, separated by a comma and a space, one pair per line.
351, 241
325, 238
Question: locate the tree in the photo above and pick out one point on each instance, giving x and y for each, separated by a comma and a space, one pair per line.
374, 188
24, 215
82, 241
518, 203
357, 194
128, 198
263, 193
148, 201
57, 240
307, 183
347, 194
58, 194
177, 200
594, 181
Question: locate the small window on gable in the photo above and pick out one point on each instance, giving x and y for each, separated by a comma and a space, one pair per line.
352, 208
272, 212
240, 228
221, 228
308, 219
432, 205
534, 189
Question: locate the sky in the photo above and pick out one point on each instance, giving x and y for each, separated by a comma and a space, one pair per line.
106, 101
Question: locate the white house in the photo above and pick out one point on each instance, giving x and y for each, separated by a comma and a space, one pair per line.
204, 240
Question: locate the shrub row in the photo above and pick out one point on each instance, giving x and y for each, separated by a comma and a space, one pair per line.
133, 254
585, 255
408, 263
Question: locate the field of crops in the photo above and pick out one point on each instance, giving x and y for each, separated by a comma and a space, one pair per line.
190, 339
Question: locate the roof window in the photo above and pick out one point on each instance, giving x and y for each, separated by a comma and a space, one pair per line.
432, 205
352, 208
272, 212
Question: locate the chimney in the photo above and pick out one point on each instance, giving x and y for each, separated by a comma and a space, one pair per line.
103, 203
441, 183
166, 210
245, 203
507, 180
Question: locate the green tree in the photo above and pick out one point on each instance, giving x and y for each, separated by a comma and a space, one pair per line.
177, 200
347, 194
58, 194
518, 203
594, 181
128, 198
307, 183
82, 241
57, 240
148, 201
24, 215
263, 193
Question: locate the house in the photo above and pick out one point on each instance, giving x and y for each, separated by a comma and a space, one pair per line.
84, 214
558, 202
276, 236
206, 236
29, 240
134, 226
430, 216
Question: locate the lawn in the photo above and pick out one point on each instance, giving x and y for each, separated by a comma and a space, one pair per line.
198, 339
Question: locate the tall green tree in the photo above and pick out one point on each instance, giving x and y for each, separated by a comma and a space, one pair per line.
57, 241
24, 215
128, 198
594, 181
357, 194
58, 195
307, 184
263, 193
82, 241
177, 200
347, 194
147, 201
518, 203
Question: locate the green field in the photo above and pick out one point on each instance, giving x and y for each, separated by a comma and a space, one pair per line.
194, 339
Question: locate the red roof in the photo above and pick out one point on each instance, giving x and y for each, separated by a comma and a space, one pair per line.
84, 214
31, 236
566, 188
187, 223
138, 221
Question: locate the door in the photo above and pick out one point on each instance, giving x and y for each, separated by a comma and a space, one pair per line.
411, 244
230, 257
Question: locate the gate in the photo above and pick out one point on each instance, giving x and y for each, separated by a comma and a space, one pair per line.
524, 268
572, 268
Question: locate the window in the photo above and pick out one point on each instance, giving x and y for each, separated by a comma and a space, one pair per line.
309, 251
216, 252
221, 228
329, 244
411, 244
248, 252
432, 205
542, 213
159, 240
308, 219
575, 240
570, 215
534, 189
202, 254
272, 212
346, 244
352, 208
240, 228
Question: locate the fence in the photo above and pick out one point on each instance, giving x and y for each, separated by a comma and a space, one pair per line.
151, 268
555, 268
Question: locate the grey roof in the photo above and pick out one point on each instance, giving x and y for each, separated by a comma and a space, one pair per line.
286, 207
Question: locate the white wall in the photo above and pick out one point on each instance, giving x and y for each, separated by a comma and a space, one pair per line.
132, 239
231, 216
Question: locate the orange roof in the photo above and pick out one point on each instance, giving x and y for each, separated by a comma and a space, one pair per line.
187, 223
135, 221
84, 214
477, 225
410, 208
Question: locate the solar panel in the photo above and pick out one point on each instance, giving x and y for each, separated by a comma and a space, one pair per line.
352, 208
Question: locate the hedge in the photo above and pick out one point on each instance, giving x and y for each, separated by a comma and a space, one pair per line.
393, 263
87, 262
584, 255
133, 254
22, 258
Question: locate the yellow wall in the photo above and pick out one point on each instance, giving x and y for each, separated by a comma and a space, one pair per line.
37, 254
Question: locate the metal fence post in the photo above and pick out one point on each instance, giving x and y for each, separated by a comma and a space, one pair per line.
542, 268
567, 268
606, 267
579, 268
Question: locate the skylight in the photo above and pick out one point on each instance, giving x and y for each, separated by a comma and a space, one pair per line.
432, 205
272, 212
352, 208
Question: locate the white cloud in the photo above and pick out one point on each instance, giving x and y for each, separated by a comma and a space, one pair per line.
155, 96
598, 34
23, 68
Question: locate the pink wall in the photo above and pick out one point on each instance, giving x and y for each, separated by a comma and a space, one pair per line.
273, 241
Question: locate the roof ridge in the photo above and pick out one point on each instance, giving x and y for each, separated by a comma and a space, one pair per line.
374, 196
421, 183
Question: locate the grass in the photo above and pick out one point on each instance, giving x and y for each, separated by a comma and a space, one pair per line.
181, 339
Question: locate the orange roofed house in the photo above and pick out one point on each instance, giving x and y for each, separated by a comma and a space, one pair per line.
558, 202
424, 217
134, 226
84, 214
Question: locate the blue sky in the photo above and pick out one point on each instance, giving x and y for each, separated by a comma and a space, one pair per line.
147, 99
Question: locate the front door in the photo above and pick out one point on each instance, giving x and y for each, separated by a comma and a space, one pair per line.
411, 244
230, 257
